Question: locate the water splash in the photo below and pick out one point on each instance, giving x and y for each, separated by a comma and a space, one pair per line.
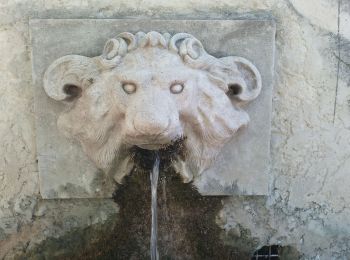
154, 183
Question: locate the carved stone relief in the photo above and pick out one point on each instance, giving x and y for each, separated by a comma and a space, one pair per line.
148, 90
70, 168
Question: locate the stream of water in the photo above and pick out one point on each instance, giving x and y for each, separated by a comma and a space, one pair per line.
154, 183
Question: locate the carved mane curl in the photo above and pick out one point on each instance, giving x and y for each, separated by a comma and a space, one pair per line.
185, 45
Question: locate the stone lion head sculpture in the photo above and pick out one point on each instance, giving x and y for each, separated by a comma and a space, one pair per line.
147, 90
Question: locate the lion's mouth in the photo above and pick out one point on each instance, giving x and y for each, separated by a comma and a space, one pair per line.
152, 146
143, 155
152, 142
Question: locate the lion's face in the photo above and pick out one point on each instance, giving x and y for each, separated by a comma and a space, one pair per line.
150, 97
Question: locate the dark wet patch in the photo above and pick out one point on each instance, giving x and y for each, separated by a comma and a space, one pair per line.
186, 221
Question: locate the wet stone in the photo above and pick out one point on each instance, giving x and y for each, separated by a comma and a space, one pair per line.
186, 225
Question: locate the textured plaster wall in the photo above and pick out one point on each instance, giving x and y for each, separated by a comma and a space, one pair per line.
308, 207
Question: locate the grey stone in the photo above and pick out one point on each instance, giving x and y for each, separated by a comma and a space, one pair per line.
241, 168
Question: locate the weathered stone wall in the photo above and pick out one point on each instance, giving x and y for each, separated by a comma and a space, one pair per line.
308, 207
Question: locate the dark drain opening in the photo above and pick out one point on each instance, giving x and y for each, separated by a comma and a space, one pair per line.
267, 252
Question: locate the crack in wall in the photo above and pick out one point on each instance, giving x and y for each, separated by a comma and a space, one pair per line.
338, 64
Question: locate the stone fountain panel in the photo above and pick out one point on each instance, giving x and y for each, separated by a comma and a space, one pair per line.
242, 167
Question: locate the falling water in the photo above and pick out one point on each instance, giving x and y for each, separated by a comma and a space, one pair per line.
154, 183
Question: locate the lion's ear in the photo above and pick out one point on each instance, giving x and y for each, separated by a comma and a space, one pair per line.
243, 79
68, 76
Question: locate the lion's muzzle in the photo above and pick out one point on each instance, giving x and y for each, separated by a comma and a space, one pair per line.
152, 123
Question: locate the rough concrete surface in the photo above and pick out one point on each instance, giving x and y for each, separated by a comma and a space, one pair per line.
308, 203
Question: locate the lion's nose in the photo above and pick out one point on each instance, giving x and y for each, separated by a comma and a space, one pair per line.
151, 125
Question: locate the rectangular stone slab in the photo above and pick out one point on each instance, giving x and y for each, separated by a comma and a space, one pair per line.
243, 165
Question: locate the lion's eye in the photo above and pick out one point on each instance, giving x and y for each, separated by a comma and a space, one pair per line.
176, 88
129, 88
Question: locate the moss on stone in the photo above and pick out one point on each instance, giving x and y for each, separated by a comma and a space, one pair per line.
186, 222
